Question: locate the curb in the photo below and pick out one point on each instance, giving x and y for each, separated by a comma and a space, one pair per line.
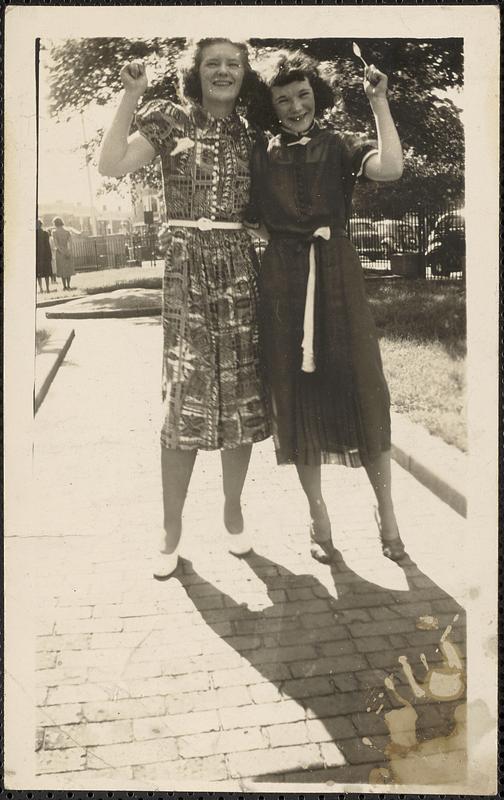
433, 459
120, 313
59, 301
56, 361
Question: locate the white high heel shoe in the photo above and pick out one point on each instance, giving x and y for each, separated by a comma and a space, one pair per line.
165, 564
239, 544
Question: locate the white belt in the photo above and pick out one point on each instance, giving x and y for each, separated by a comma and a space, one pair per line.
204, 224
308, 364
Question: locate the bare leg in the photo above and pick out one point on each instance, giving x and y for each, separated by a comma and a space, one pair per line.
47, 284
39, 281
379, 474
176, 471
321, 545
235, 464
310, 479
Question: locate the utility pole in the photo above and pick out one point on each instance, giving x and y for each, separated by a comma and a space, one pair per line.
88, 175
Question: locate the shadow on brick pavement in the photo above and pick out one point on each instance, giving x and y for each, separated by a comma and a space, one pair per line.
332, 655
158, 683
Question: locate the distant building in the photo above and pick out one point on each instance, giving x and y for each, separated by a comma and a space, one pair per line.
78, 216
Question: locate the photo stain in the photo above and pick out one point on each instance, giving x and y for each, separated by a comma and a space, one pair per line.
427, 622
441, 760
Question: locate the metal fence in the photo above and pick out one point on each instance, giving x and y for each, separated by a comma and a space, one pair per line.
115, 250
98, 252
424, 243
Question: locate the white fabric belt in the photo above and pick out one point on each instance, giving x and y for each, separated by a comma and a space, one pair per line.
308, 364
204, 224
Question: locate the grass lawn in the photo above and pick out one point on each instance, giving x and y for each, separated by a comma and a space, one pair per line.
428, 385
42, 336
423, 343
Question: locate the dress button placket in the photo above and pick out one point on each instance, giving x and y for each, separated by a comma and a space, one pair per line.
215, 174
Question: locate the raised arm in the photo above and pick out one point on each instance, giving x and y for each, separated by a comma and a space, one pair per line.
387, 164
121, 154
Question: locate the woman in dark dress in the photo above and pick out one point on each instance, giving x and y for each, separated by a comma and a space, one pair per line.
43, 256
212, 385
329, 398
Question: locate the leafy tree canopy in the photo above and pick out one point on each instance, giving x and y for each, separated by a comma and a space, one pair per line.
84, 71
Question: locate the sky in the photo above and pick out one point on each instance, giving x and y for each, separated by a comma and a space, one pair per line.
62, 172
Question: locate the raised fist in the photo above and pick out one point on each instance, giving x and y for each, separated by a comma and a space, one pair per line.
375, 82
134, 78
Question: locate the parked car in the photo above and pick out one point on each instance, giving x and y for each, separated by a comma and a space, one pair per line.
446, 247
396, 236
365, 238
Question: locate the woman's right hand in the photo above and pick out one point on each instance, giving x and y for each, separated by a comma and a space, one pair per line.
134, 78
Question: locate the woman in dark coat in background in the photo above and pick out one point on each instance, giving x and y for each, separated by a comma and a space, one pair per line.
43, 257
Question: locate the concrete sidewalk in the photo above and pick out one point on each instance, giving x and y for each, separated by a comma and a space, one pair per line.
239, 674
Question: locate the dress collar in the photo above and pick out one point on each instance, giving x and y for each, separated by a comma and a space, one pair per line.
289, 137
204, 119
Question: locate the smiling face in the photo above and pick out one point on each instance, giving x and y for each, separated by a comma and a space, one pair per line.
221, 73
294, 105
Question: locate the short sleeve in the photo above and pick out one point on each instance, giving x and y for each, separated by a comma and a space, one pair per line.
158, 121
356, 151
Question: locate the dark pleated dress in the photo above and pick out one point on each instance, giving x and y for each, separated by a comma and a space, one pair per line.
340, 413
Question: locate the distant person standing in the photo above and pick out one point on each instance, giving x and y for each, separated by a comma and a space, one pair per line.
64, 264
43, 256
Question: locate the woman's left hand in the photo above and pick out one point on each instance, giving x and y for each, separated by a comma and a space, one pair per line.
375, 83
164, 237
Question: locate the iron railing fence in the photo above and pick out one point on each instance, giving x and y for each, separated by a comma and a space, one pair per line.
426, 242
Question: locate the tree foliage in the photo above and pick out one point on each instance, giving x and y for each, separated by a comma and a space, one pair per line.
85, 71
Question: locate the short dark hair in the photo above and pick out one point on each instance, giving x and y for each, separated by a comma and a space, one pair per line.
189, 77
58, 222
292, 66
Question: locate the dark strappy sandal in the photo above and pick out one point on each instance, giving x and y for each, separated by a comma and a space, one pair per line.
391, 548
321, 546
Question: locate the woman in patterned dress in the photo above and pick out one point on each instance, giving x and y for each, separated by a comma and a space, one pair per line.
329, 398
212, 384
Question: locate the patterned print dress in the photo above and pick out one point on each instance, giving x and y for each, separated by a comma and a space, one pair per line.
212, 383
338, 414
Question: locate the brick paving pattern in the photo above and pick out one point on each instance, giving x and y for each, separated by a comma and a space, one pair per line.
235, 672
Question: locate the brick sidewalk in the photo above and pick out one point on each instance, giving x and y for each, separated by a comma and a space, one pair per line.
234, 673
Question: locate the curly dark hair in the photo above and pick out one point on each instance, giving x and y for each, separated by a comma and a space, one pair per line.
290, 66
252, 89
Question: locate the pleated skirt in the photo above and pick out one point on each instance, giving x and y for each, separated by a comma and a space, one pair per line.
339, 414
